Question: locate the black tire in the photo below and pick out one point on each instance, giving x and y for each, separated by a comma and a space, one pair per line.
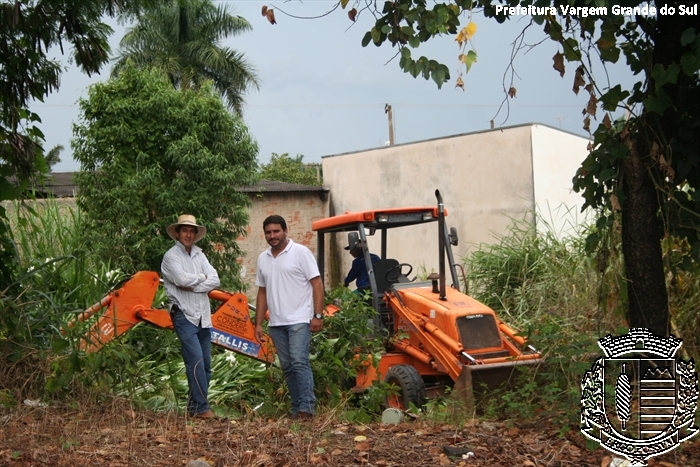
410, 384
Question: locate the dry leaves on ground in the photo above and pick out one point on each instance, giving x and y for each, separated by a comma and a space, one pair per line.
114, 437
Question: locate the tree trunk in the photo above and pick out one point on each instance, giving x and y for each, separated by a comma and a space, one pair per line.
641, 243
641, 229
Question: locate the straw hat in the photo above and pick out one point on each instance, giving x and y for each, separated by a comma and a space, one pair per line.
187, 219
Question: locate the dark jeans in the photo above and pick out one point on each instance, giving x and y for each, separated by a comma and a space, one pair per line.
195, 344
292, 345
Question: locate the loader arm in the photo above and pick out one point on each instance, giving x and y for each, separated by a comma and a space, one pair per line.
131, 304
442, 348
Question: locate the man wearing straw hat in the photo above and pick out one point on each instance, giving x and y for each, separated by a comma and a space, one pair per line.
188, 278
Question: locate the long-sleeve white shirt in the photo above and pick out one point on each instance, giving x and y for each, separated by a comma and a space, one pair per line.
182, 271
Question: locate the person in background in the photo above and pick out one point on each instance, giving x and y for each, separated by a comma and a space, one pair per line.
358, 270
290, 287
188, 278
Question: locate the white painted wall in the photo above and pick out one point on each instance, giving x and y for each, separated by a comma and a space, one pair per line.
486, 179
556, 155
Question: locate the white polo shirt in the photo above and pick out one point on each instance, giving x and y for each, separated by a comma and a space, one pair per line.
286, 280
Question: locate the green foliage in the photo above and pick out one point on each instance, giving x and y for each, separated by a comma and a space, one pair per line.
283, 168
57, 278
6, 399
564, 299
239, 384
551, 390
183, 39
674, 147
29, 29
684, 293
408, 23
53, 157
364, 407
345, 345
22, 158
132, 367
644, 168
149, 153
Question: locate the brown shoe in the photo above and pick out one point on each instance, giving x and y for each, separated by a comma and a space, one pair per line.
304, 416
207, 414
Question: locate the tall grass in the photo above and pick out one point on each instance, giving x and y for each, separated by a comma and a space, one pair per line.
57, 276
56, 279
532, 277
547, 286
564, 299
683, 277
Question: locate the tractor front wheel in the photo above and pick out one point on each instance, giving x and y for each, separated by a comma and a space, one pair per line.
411, 388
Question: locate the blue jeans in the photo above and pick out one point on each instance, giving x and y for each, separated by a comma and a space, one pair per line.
195, 344
292, 345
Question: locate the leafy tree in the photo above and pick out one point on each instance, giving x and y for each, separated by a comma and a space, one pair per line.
28, 28
283, 168
644, 170
182, 38
149, 153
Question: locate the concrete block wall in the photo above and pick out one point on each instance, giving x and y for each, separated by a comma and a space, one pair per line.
487, 179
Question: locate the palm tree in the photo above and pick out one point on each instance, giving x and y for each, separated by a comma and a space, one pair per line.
182, 38
53, 157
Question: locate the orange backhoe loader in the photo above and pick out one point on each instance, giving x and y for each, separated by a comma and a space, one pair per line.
436, 336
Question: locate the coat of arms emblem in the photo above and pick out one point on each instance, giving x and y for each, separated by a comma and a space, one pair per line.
639, 401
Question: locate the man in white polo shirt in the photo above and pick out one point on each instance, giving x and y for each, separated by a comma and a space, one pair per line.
290, 287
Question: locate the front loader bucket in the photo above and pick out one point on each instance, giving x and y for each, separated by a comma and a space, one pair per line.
493, 376
477, 381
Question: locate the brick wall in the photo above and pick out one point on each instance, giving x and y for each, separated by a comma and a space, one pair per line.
299, 209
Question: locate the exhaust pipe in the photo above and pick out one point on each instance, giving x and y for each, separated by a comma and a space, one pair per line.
441, 243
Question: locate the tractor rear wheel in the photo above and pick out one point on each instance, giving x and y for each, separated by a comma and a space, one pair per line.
410, 384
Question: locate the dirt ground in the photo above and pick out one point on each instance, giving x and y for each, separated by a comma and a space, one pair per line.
114, 437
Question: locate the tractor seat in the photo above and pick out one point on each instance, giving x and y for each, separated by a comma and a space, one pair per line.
381, 267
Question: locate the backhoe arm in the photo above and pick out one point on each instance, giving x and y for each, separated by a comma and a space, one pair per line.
122, 310
132, 304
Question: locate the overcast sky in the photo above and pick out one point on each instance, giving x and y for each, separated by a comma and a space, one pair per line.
322, 93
